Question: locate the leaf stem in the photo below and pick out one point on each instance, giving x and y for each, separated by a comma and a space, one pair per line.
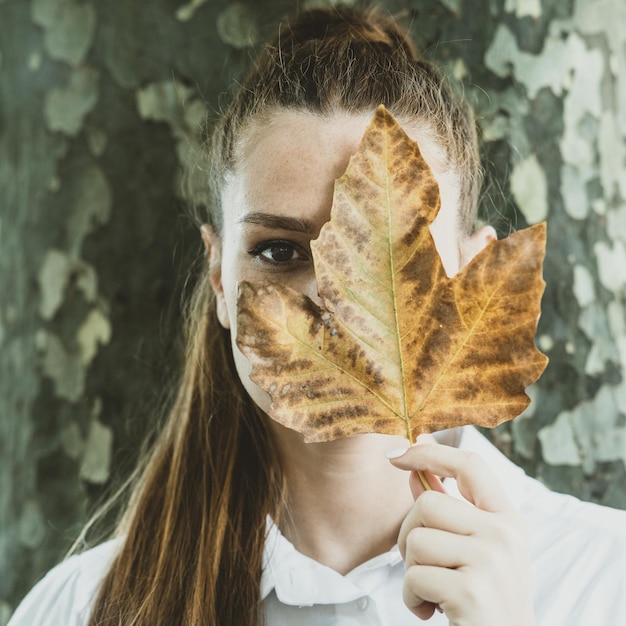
423, 480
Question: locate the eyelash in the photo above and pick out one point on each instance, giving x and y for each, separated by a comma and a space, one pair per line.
257, 253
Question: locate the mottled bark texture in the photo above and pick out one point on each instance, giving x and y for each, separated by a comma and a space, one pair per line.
99, 107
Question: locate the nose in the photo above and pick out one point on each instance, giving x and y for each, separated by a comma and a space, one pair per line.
309, 287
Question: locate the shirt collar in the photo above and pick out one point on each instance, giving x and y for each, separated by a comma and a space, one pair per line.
299, 580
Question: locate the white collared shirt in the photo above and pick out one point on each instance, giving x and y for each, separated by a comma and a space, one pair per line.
578, 553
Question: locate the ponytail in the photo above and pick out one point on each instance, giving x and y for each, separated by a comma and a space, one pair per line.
194, 533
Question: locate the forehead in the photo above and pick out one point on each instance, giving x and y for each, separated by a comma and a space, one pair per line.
291, 162
286, 128
288, 163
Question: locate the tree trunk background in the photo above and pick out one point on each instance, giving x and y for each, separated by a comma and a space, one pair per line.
100, 106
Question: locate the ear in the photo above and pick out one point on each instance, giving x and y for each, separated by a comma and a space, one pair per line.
476, 242
213, 248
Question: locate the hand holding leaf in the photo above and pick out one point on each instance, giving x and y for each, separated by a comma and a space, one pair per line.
397, 347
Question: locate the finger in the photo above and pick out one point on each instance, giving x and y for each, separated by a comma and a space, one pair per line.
425, 610
428, 546
445, 513
439, 510
427, 584
475, 479
416, 483
423, 480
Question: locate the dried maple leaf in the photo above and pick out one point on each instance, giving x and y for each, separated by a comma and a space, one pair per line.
397, 347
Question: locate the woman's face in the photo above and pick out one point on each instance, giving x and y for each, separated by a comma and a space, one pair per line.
280, 196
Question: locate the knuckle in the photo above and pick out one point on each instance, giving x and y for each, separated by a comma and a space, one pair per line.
425, 504
473, 594
494, 559
412, 538
413, 546
510, 530
412, 577
412, 586
504, 541
473, 461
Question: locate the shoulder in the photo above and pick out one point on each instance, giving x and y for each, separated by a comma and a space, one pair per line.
66, 593
554, 519
578, 550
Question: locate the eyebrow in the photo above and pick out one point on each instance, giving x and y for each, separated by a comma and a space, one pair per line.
269, 220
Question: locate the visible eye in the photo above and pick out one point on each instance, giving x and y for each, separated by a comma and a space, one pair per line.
278, 252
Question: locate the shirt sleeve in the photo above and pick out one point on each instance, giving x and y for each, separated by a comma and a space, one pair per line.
67, 592
578, 550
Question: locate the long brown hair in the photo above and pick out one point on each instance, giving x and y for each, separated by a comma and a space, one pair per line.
194, 530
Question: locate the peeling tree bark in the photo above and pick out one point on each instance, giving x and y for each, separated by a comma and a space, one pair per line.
96, 107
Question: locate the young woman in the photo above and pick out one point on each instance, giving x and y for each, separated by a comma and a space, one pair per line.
234, 520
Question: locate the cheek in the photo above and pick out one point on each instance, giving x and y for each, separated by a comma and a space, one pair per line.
445, 229
306, 283
447, 244
259, 397
231, 274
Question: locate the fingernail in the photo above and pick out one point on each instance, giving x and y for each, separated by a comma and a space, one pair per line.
396, 454
424, 438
